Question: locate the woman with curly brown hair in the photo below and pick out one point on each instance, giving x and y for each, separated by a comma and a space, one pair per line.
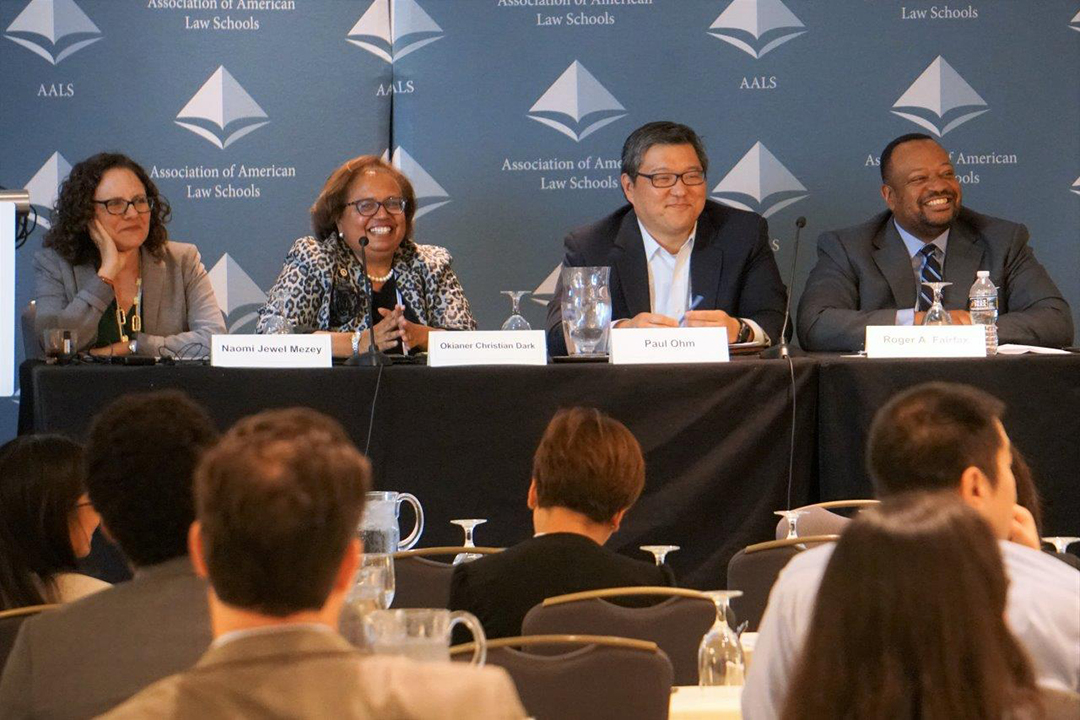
109, 273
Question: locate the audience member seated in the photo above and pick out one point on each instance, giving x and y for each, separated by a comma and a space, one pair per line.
109, 272
1027, 494
95, 653
46, 522
278, 502
936, 437
909, 621
587, 473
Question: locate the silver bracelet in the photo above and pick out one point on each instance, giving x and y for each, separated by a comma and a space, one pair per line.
133, 346
356, 342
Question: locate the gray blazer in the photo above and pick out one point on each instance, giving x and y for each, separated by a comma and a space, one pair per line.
178, 306
863, 276
90, 655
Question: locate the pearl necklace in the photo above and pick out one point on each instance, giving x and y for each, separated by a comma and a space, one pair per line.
382, 278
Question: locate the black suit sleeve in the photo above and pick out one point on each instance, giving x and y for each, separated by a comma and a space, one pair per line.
829, 318
1033, 312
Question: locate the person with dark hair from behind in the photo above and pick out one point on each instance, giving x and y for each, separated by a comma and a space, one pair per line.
937, 437
46, 522
91, 655
277, 504
587, 473
1027, 495
909, 622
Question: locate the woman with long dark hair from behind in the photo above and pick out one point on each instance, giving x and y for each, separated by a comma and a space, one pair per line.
46, 522
910, 622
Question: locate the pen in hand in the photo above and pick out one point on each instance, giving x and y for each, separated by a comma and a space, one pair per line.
693, 305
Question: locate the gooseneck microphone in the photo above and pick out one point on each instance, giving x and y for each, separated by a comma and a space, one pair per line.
372, 357
781, 350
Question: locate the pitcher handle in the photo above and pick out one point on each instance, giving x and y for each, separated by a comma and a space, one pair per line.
473, 624
418, 528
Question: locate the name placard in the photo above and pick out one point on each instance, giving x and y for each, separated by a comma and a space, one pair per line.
487, 347
925, 341
645, 346
271, 351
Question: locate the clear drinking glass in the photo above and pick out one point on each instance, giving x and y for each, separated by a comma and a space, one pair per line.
373, 589
586, 309
720, 655
937, 315
792, 517
421, 634
1061, 544
659, 552
467, 526
279, 322
516, 321
59, 344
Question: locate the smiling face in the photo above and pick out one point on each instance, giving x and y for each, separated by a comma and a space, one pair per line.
669, 213
384, 230
129, 230
922, 190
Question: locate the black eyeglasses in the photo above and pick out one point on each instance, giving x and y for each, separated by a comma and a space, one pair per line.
666, 180
119, 206
369, 206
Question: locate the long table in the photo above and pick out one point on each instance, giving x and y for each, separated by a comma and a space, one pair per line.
716, 437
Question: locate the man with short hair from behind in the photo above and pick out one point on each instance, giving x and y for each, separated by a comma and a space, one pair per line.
91, 655
934, 437
277, 503
587, 473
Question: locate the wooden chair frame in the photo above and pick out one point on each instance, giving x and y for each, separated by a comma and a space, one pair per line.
445, 550
28, 610
788, 542
624, 591
580, 640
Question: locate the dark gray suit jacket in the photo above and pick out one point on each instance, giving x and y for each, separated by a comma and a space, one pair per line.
731, 265
89, 656
863, 275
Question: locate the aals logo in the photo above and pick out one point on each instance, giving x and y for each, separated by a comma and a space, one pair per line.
1076, 186
546, 290
430, 195
61, 23
221, 111
576, 104
391, 29
45, 184
941, 91
1075, 22
759, 177
756, 26
237, 294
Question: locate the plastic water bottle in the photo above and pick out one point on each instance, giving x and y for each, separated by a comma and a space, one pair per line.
983, 307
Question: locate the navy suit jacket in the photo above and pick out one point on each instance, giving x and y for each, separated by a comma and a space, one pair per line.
863, 275
731, 265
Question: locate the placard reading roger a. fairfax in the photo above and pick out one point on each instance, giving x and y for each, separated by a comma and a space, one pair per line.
928, 341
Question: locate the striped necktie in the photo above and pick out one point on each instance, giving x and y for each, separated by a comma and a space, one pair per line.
931, 272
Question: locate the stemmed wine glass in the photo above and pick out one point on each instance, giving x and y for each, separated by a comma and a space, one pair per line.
937, 315
659, 552
720, 655
1061, 544
516, 321
792, 517
467, 526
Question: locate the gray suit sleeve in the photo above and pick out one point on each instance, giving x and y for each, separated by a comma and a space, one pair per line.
203, 313
56, 311
17, 682
828, 317
1033, 309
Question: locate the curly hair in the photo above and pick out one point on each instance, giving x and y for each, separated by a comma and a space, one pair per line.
75, 208
331, 201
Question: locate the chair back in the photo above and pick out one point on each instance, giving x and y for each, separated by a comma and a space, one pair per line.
819, 518
1060, 704
676, 623
421, 582
10, 622
591, 677
32, 349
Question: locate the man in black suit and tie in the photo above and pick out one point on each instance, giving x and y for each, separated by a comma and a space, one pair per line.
872, 274
587, 472
670, 245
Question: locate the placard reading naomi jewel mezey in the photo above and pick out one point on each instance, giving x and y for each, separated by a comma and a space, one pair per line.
925, 341
645, 346
271, 351
487, 347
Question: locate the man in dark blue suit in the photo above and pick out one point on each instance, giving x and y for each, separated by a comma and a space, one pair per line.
671, 244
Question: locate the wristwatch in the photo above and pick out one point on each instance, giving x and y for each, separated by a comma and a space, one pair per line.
356, 342
133, 347
744, 332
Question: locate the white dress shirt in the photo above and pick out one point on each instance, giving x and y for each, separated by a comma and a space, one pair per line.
914, 245
1042, 610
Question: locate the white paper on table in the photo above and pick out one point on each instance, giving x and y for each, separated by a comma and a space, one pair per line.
1014, 349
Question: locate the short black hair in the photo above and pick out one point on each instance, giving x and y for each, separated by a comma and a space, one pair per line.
661, 132
925, 437
886, 154
140, 458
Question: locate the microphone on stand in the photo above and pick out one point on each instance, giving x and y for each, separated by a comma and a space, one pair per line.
781, 350
372, 357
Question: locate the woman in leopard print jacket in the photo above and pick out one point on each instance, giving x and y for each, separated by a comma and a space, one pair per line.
320, 287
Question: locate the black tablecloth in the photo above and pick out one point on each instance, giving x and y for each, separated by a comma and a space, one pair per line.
716, 438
